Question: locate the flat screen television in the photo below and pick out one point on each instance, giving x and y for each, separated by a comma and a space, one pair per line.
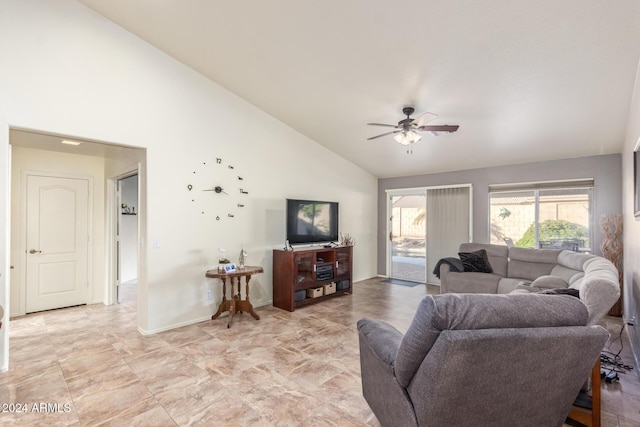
311, 221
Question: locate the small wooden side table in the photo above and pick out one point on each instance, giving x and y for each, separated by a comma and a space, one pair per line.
235, 303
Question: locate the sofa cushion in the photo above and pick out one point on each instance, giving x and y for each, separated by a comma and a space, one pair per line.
475, 262
477, 283
567, 274
528, 263
436, 313
549, 282
570, 266
573, 260
506, 284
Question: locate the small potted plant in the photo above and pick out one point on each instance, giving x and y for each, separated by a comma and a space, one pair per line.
222, 262
222, 259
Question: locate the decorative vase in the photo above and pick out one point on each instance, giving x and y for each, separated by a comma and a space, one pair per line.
242, 258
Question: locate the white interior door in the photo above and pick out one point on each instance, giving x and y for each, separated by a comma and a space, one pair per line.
117, 239
57, 225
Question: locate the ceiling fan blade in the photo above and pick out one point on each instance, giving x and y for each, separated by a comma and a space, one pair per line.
382, 124
384, 134
426, 118
439, 128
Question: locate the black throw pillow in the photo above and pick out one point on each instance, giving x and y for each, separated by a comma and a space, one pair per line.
477, 261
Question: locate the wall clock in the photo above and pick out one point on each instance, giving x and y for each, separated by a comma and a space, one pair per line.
218, 188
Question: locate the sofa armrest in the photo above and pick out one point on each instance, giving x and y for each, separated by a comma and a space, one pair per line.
388, 400
381, 338
599, 288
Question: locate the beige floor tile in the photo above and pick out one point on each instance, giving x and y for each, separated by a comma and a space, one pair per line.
287, 369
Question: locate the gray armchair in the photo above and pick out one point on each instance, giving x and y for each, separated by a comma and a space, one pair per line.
482, 360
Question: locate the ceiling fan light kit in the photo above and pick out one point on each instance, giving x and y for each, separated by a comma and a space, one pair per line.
406, 132
406, 138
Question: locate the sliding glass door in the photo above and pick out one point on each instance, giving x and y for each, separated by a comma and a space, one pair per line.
407, 236
426, 224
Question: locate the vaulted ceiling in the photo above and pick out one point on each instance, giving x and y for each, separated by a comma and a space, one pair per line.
525, 80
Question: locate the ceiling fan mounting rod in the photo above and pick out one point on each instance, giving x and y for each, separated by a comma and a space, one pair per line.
408, 111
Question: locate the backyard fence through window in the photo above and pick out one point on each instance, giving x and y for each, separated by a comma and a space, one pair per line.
554, 215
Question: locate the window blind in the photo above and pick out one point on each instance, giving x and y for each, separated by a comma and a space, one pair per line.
543, 185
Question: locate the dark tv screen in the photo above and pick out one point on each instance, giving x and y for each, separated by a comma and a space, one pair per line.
310, 221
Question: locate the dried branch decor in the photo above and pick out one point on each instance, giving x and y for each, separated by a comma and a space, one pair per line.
347, 240
611, 247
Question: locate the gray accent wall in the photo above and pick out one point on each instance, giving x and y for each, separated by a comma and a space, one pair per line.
604, 169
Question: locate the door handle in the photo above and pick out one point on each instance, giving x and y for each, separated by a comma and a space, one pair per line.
33, 251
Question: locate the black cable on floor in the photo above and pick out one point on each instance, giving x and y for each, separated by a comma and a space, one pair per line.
612, 361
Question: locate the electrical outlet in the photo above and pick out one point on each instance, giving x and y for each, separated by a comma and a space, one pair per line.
208, 294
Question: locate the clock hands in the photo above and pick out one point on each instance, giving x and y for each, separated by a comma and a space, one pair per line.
217, 189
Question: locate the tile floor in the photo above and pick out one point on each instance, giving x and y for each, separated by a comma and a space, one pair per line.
89, 366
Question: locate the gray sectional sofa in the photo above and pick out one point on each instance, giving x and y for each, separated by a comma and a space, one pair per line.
522, 270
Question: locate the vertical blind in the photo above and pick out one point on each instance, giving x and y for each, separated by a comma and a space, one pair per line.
448, 218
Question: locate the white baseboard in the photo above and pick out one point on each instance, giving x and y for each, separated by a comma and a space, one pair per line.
173, 326
193, 321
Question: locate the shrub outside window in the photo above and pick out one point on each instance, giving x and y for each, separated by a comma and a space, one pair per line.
558, 218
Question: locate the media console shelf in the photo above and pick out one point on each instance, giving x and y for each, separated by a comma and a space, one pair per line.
303, 269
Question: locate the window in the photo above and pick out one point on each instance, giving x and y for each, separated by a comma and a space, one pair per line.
546, 215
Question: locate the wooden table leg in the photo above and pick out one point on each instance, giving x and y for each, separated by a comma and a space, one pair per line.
238, 296
251, 312
223, 305
590, 417
595, 395
232, 305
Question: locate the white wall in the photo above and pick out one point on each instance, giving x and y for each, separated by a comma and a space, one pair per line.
5, 244
72, 72
30, 160
631, 230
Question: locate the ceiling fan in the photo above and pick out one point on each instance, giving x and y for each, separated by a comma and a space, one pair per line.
406, 131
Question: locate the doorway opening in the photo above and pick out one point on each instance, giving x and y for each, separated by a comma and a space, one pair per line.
37, 154
408, 237
126, 238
